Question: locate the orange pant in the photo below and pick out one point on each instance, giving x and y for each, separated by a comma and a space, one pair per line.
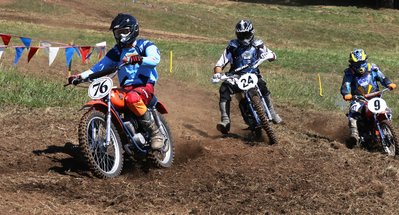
138, 97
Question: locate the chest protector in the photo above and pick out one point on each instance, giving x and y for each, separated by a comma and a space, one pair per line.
365, 84
243, 55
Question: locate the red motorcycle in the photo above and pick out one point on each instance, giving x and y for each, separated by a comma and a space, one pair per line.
375, 124
108, 131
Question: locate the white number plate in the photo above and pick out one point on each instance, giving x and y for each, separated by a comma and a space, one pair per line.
247, 81
377, 105
100, 88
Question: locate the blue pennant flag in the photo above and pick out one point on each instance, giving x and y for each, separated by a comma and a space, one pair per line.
69, 55
77, 51
26, 41
18, 54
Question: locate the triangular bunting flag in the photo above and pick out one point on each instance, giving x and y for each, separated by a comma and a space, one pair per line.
26, 41
100, 48
1, 51
84, 51
18, 54
77, 50
53, 51
32, 51
6, 38
69, 55
44, 44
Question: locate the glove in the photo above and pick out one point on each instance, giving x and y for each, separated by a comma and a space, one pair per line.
348, 97
392, 86
216, 77
133, 59
74, 79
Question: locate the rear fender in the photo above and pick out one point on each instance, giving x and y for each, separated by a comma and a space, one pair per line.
161, 108
102, 106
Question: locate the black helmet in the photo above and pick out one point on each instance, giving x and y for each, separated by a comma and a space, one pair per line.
358, 61
125, 28
245, 32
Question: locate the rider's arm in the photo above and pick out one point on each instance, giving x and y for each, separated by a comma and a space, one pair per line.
225, 59
152, 57
110, 60
379, 76
346, 83
264, 52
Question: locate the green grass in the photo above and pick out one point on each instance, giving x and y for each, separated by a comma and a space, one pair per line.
43, 7
308, 40
24, 90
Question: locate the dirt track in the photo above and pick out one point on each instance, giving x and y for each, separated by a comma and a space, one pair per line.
310, 171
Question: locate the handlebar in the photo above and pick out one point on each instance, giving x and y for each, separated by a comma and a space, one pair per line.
95, 75
226, 77
370, 95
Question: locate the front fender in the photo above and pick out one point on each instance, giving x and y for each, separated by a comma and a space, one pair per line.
103, 107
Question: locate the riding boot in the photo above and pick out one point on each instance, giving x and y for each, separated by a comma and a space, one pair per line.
146, 121
224, 125
354, 134
275, 117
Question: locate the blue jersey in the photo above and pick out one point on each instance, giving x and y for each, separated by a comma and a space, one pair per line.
131, 74
364, 84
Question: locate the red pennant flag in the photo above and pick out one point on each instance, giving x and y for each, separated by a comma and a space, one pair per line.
6, 38
100, 54
32, 51
84, 51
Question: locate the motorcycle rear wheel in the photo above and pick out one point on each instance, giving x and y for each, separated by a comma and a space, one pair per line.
168, 150
105, 161
263, 118
390, 140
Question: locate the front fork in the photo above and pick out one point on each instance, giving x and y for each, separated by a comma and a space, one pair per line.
108, 121
381, 133
248, 95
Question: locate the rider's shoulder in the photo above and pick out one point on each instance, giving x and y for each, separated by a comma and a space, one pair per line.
374, 67
257, 42
233, 43
143, 42
348, 71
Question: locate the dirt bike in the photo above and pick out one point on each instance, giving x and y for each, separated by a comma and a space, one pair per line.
252, 104
108, 131
375, 123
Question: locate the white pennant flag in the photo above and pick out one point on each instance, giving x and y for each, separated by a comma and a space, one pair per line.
1, 51
53, 51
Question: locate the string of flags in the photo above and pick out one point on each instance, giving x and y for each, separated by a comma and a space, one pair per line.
51, 48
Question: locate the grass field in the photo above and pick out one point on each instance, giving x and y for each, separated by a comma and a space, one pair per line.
308, 40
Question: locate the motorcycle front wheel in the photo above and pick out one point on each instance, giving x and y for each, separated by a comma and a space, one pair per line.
390, 142
263, 118
104, 160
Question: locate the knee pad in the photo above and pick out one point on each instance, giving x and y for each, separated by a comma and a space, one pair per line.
135, 104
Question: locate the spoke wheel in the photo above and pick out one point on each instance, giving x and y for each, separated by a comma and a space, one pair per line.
164, 158
263, 118
104, 160
390, 141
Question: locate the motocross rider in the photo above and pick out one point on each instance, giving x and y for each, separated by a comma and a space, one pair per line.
360, 78
138, 77
246, 49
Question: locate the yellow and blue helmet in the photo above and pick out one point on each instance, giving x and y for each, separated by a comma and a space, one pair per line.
358, 61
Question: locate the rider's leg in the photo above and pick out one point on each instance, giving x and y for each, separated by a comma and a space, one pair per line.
354, 133
135, 103
224, 106
266, 94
